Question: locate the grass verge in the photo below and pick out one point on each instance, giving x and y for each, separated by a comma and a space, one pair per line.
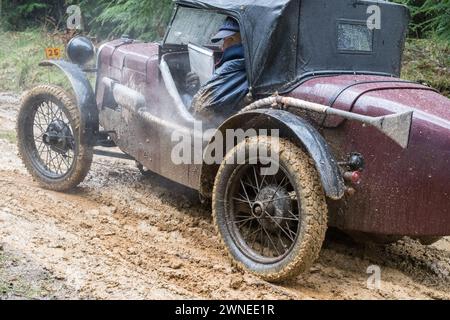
428, 61
20, 54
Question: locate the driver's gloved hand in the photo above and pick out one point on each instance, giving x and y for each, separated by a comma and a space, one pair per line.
192, 84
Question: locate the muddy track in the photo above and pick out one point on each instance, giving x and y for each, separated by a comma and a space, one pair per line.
121, 235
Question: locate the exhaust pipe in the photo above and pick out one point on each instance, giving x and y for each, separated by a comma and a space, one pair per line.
397, 126
135, 102
124, 96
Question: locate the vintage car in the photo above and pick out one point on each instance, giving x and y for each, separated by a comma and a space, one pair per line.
358, 148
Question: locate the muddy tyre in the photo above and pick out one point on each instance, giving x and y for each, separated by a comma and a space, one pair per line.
428, 241
49, 139
272, 225
372, 238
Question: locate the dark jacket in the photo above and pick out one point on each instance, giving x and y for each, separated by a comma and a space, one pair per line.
226, 90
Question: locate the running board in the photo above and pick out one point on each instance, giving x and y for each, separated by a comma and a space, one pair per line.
111, 154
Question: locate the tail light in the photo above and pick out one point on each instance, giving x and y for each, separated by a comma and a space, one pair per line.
353, 177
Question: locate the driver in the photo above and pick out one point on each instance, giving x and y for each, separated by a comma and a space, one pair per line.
224, 93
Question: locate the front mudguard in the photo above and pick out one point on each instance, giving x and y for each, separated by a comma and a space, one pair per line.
291, 127
85, 97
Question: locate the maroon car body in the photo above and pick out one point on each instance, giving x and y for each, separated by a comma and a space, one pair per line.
403, 191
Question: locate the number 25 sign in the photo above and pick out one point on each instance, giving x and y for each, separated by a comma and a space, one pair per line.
53, 53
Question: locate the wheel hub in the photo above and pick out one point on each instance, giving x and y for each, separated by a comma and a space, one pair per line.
271, 206
258, 209
58, 137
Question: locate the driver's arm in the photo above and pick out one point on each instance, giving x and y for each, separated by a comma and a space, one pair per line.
224, 92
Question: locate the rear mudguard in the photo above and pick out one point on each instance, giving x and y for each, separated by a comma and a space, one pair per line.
294, 128
85, 97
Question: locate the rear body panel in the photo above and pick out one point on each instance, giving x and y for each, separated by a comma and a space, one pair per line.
404, 192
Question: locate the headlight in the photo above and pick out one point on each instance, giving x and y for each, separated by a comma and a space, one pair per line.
80, 50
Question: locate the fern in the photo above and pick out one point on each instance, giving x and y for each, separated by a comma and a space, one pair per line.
29, 8
429, 17
144, 19
439, 13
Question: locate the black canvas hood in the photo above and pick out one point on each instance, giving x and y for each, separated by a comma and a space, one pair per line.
288, 40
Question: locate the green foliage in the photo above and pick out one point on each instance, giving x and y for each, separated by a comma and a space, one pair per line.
29, 8
21, 14
144, 19
439, 13
429, 17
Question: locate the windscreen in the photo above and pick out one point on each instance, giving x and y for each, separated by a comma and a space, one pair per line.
194, 26
202, 62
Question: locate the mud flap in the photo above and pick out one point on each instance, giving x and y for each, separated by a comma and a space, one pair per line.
297, 129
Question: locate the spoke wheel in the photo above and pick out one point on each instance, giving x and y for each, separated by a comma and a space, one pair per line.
49, 140
54, 144
271, 225
263, 213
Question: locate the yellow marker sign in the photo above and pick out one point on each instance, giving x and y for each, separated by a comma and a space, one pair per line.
53, 53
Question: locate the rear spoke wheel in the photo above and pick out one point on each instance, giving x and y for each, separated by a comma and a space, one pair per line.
271, 225
269, 207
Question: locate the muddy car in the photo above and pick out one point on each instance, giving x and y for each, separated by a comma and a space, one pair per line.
358, 148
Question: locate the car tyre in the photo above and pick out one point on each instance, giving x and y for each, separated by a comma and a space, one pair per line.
303, 185
48, 137
428, 241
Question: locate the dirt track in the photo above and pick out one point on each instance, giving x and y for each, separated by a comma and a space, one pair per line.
121, 235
